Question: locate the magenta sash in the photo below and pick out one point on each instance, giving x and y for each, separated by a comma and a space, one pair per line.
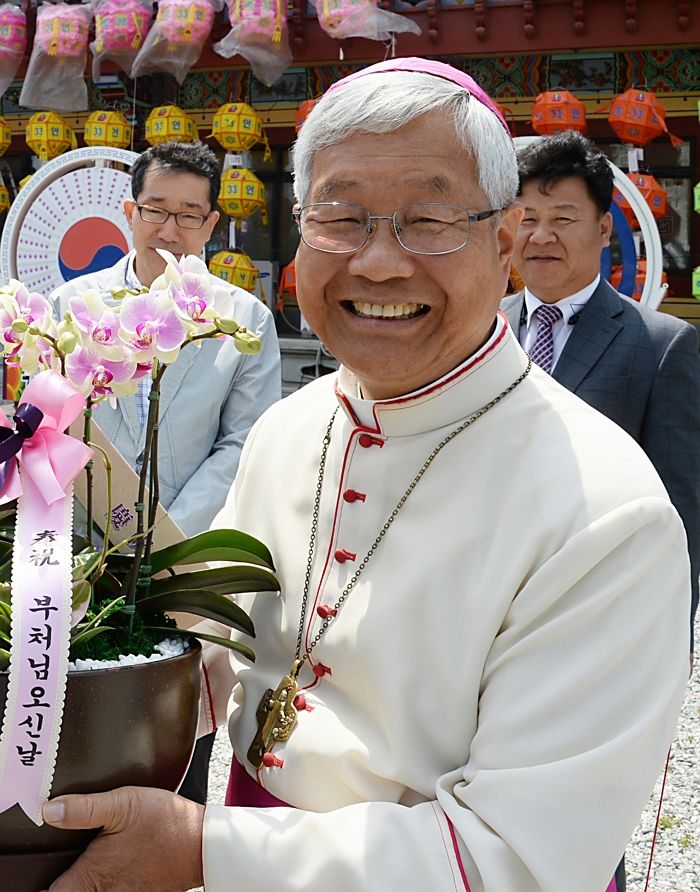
245, 790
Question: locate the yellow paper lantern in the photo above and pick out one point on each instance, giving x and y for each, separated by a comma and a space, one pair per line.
236, 268
241, 193
4, 198
23, 182
48, 135
237, 126
168, 122
107, 128
5, 136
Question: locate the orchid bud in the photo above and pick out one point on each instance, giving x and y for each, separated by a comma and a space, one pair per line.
228, 326
33, 330
19, 326
246, 341
67, 342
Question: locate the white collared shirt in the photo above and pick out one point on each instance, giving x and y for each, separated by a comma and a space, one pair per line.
570, 307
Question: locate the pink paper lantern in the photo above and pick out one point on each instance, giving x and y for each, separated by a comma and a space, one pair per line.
61, 30
121, 26
182, 21
13, 32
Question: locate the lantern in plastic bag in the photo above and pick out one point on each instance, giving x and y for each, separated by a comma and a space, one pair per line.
121, 26
185, 21
639, 278
557, 110
4, 198
13, 32
241, 193
696, 197
696, 283
48, 135
287, 288
637, 117
236, 268
238, 127
653, 192
5, 136
61, 30
107, 128
168, 122
303, 113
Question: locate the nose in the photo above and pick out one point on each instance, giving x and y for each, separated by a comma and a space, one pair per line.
542, 233
382, 257
169, 231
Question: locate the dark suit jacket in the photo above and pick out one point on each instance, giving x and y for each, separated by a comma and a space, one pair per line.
641, 368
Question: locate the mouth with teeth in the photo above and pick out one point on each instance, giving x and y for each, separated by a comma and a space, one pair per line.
386, 311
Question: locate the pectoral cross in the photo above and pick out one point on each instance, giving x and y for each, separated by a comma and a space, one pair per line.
276, 716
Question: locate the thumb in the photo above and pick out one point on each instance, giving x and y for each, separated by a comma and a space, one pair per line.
84, 812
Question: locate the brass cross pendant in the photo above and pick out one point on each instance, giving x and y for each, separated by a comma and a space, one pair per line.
276, 715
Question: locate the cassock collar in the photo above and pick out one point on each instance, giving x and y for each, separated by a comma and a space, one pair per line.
452, 398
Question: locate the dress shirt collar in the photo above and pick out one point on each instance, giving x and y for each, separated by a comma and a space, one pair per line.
569, 306
131, 280
461, 392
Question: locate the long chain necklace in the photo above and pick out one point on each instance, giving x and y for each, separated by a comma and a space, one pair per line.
276, 714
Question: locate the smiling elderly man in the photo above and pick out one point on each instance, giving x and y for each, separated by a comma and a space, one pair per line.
458, 686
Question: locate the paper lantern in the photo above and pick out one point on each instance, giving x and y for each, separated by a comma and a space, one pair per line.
168, 122
48, 135
13, 32
238, 127
23, 182
241, 193
5, 136
184, 21
696, 197
653, 192
637, 117
236, 268
639, 279
121, 26
287, 289
557, 110
61, 30
107, 128
303, 113
696, 283
4, 198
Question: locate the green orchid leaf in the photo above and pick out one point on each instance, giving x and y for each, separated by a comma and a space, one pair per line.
4, 658
80, 637
4, 627
5, 592
6, 570
80, 601
225, 580
201, 603
213, 545
238, 646
84, 563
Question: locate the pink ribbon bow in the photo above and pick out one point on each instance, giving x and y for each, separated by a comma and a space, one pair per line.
49, 457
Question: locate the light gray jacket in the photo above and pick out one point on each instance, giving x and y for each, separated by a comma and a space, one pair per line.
210, 398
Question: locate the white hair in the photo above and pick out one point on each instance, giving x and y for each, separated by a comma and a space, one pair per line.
382, 103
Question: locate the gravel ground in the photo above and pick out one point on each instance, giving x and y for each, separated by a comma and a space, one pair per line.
676, 865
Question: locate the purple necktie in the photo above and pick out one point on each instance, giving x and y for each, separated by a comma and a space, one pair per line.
542, 351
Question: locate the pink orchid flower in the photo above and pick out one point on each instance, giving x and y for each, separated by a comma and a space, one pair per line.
151, 326
97, 377
97, 322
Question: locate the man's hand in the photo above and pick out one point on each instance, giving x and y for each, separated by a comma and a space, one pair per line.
151, 841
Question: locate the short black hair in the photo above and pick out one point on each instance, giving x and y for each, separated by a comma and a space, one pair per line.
567, 154
178, 157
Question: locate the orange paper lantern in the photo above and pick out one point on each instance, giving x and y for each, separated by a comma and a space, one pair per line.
287, 289
653, 192
303, 113
640, 277
556, 111
637, 117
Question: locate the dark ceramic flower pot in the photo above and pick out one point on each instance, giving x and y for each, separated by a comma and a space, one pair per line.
133, 725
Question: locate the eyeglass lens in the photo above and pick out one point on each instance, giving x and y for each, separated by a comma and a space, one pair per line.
160, 215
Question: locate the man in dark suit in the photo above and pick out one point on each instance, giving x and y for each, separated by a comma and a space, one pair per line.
639, 367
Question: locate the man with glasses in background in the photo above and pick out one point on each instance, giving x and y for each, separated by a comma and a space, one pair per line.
212, 394
457, 687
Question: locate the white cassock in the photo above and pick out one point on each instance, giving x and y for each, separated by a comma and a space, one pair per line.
507, 672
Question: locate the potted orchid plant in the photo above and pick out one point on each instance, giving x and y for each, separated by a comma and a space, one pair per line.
65, 596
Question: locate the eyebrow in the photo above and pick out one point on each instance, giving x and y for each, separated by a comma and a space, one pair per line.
435, 184
160, 199
556, 207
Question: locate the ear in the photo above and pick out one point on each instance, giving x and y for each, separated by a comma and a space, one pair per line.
129, 208
507, 232
606, 226
211, 223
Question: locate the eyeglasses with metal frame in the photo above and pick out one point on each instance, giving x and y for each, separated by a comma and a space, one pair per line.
426, 227
184, 219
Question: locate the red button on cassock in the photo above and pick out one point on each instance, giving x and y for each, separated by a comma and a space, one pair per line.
367, 440
352, 495
343, 555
